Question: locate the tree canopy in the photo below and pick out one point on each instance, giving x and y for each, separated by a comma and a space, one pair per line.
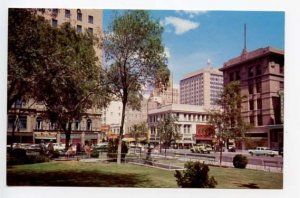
228, 120
134, 59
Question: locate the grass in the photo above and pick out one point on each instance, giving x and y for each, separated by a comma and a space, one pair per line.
73, 173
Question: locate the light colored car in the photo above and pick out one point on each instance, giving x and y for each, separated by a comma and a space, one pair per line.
262, 151
59, 146
201, 148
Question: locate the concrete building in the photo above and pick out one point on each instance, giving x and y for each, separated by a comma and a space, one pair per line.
32, 126
169, 96
192, 121
112, 116
261, 75
201, 87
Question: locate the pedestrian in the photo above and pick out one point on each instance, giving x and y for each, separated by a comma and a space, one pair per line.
50, 149
87, 149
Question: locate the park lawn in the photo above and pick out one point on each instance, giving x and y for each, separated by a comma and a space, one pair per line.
73, 173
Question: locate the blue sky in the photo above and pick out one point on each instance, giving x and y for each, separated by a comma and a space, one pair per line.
193, 37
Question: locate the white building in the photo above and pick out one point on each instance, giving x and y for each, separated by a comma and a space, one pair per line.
112, 116
191, 118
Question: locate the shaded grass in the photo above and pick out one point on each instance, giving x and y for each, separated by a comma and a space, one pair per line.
73, 173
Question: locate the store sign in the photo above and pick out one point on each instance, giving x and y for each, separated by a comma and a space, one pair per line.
45, 135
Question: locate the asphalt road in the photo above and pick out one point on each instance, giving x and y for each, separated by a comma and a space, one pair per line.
228, 156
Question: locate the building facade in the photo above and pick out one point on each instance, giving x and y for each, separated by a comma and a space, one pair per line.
201, 87
261, 76
27, 118
190, 118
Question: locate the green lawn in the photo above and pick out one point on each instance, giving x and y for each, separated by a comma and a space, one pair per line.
75, 173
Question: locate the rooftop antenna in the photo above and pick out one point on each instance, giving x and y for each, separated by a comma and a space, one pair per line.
209, 63
244, 52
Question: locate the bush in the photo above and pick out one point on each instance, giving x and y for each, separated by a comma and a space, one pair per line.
240, 161
113, 150
18, 152
27, 160
195, 176
95, 153
56, 154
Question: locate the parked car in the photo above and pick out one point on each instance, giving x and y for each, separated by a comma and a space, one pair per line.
263, 151
34, 149
201, 148
102, 147
59, 146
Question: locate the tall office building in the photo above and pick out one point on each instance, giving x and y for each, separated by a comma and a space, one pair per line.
33, 126
201, 87
261, 76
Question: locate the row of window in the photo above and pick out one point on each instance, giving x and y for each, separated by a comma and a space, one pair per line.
258, 104
79, 15
259, 119
21, 123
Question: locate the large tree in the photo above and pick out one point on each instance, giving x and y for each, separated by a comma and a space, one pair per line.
228, 121
25, 57
71, 85
135, 59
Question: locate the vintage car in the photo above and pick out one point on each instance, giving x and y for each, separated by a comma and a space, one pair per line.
201, 148
262, 151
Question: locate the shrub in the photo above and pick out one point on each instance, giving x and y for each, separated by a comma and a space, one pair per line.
195, 176
19, 153
56, 154
95, 153
240, 161
113, 150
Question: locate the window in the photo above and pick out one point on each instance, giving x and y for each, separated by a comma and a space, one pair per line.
77, 125
51, 126
258, 87
250, 72
54, 12
79, 16
251, 104
23, 122
79, 28
19, 103
91, 19
281, 69
250, 88
259, 120
90, 30
39, 123
259, 104
258, 70
237, 75
54, 23
89, 125
67, 13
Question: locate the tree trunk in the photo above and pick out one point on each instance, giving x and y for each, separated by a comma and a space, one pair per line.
68, 134
221, 152
121, 133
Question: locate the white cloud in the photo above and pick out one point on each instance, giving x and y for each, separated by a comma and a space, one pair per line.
191, 13
181, 25
167, 52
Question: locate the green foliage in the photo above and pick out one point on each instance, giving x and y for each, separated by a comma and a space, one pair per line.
138, 131
95, 153
195, 176
134, 57
240, 161
113, 150
56, 154
167, 130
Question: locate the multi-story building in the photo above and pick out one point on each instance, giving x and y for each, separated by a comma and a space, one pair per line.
261, 76
201, 87
112, 115
168, 96
32, 126
192, 122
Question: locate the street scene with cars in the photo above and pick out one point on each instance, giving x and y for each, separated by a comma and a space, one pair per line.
115, 98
